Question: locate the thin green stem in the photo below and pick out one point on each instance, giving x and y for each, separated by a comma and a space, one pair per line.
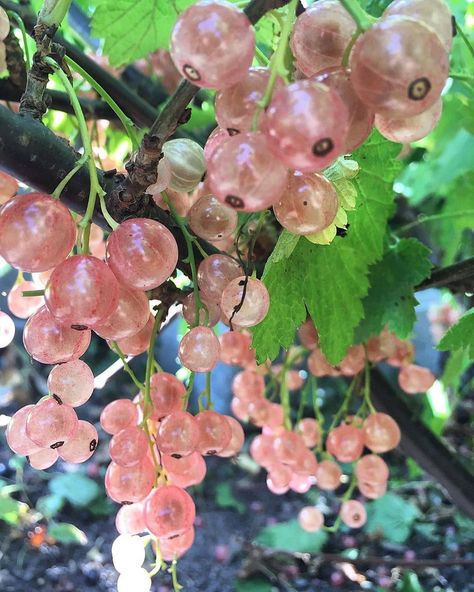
261, 57
31, 293
465, 38
190, 240
462, 78
285, 394
432, 218
21, 25
345, 403
347, 495
147, 402
304, 397
60, 188
86, 141
277, 63
115, 348
174, 576
367, 399
363, 20
105, 212
126, 121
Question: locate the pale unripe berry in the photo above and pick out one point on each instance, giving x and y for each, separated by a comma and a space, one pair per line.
128, 553
199, 349
309, 204
135, 580
187, 162
245, 301
212, 220
217, 137
163, 178
7, 329
212, 44
4, 24
130, 519
23, 306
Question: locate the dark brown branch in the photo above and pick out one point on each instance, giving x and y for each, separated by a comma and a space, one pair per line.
15, 61
424, 446
459, 277
262, 553
92, 108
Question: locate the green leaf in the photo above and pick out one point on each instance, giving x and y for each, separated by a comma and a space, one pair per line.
409, 583
331, 280
392, 517
455, 366
289, 536
390, 299
131, 29
75, 488
11, 510
50, 505
67, 533
253, 585
226, 499
285, 246
460, 335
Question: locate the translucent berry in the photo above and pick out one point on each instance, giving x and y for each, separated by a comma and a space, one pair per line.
311, 142
321, 35
142, 253
236, 441
308, 335
72, 382
372, 490
128, 447
137, 579
346, 443
24, 306
310, 431
43, 459
399, 67
434, 13
361, 118
236, 105
50, 424
248, 385
214, 274
199, 349
308, 205
129, 484
311, 519
353, 513
245, 301
178, 545
263, 452
243, 173
169, 511
118, 415
328, 475
240, 409
82, 291
185, 471
415, 379
288, 447
17, 438
217, 137
163, 177
319, 366
410, 129
130, 316
381, 432
82, 445
214, 432
371, 468
8, 186
187, 162
45, 226
212, 220
138, 343
49, 342
210, 311
236, 348
167, 394
178, 434
354, 361
306, 463
213, 44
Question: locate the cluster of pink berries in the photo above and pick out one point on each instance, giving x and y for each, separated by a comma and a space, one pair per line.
273, 140
386, 347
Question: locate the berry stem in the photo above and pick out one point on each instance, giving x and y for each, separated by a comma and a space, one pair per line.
347, 495
174, 576
21, 25
367, 399
86, 141
147, 402
433, 217
363, 20
190, 241
465, 38
345, 404
278, 68
32, 293
115, 348
60, 188
126, 121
